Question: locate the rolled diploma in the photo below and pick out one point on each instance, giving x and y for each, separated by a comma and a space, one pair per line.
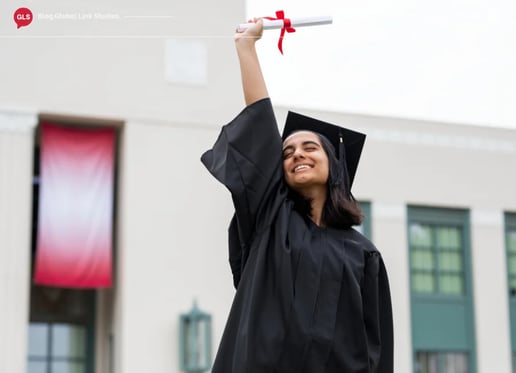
294, 22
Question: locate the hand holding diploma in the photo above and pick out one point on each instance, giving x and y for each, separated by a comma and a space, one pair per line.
294, 22
253, 31
285, 24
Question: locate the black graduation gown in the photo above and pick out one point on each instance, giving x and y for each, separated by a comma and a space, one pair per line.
309, 299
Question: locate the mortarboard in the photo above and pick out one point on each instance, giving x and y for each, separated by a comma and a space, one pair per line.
348, 144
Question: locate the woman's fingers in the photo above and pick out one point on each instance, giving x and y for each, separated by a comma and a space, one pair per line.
253, 32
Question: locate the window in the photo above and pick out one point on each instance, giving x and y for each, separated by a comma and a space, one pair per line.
441, 362
61, 330
436, 258
443, 331
510, 239
57, 348
510, 244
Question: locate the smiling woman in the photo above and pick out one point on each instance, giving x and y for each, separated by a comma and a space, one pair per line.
312, 292
305, 165
331, 204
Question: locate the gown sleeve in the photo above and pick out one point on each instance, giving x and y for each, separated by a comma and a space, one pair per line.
246, 158
378, 315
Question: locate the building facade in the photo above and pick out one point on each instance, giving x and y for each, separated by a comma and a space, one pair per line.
439, 201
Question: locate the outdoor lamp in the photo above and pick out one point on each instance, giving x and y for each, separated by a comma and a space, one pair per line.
195, 341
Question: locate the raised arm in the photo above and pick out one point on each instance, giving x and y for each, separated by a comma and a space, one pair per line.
253, 83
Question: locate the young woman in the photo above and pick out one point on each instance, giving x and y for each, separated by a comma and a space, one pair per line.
312, 293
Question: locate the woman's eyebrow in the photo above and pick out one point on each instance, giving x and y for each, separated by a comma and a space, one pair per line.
304, 143
311, 142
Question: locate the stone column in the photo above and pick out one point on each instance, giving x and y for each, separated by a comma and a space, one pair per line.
16, 155
492, 324
390, 237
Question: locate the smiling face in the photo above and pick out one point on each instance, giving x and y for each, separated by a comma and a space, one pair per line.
305, 163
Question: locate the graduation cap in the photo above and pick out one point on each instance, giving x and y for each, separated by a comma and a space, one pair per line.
348, 144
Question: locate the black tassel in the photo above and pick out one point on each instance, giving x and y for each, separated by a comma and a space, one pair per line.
344, 164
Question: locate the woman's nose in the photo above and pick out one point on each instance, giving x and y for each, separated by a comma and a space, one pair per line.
298, 153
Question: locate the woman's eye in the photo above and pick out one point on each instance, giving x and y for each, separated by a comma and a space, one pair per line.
310, 148
287, 155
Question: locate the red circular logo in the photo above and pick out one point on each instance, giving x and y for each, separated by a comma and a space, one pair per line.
22, 17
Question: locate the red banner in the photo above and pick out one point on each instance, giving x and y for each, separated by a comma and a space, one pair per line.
75, 222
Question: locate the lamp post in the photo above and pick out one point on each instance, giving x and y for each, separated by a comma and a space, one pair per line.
195, 341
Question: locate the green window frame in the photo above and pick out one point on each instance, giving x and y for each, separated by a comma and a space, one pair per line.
510, 248
441, 289
510, 243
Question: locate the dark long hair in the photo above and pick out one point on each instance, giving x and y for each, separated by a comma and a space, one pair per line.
340, 210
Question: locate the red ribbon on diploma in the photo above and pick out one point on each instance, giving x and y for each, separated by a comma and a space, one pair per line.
287, 26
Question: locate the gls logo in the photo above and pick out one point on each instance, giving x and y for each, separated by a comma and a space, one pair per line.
22, 17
